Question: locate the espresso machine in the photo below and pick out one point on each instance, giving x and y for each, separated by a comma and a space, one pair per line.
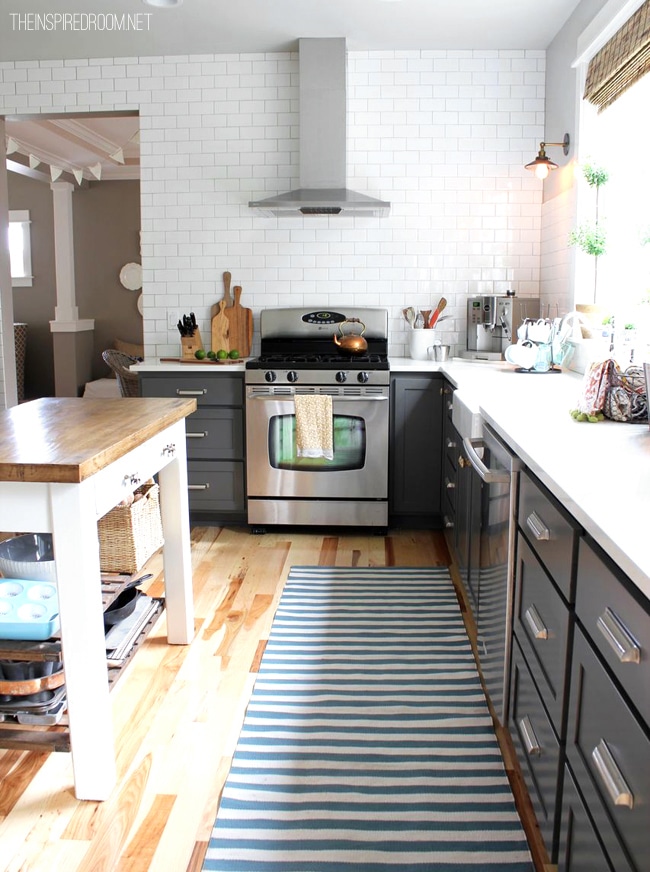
492, 323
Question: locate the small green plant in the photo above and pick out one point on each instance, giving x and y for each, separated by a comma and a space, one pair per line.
590, 237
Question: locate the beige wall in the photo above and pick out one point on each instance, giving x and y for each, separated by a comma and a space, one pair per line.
106, 230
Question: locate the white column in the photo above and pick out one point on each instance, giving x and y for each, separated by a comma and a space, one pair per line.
8, 391
66, 313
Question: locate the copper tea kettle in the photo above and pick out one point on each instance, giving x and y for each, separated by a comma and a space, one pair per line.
353, 343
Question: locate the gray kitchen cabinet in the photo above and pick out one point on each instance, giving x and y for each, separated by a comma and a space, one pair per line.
450, 449
542, 628
608, 729
215, 440
415, 441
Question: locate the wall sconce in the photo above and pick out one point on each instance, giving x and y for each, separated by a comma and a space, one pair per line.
542, 165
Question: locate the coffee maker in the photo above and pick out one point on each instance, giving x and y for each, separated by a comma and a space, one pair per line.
492, 323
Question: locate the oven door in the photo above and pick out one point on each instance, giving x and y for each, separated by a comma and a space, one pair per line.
358, 469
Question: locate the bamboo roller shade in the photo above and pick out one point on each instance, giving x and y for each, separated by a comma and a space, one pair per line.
620, 62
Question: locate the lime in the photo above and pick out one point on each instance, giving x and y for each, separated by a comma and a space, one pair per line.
234, 354
200, 354
222, 354
212, 355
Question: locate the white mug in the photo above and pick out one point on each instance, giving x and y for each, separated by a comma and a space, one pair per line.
523, 354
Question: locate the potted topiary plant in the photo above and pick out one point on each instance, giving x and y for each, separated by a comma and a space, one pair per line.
590, 236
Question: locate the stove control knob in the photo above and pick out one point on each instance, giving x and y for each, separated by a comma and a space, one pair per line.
341, 377
270, 376
363, 377
292, 376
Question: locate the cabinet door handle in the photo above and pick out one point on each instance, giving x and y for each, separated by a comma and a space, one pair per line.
539, 529
186, 393
611, 776
197, 435
536, 624
448, 522
205, 486
450, 485
618, 637
451, 443
532, 746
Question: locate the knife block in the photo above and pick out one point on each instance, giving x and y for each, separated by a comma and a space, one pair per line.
190, 344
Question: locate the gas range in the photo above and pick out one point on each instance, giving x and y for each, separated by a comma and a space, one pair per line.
297, 347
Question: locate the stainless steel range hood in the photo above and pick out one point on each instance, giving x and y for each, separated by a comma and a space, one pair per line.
322, 191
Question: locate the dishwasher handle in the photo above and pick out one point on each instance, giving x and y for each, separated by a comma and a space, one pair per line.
487, 475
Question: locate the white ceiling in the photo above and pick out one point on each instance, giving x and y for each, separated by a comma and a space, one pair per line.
218, 26
242, 26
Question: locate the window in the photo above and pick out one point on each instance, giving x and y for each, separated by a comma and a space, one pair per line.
20, 249
616, 141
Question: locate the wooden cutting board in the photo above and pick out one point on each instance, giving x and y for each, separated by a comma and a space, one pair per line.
240, 320
221, 328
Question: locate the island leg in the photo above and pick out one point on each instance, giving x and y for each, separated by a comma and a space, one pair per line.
76, 554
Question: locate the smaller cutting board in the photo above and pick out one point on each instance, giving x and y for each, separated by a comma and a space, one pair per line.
240, 320
220, 328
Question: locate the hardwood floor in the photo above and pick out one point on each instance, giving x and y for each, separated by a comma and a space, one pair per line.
177, 713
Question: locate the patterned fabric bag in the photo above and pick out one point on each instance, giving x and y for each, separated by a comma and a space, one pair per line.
619, 395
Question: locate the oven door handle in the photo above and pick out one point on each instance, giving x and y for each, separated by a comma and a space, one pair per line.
288, 397
487, 475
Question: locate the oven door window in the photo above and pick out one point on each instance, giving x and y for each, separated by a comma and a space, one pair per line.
349, 445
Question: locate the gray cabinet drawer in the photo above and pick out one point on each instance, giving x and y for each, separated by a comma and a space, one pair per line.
550, 531
541, 625
211, 389
537, 747
215, 434
216, 485
600, 722
617, 623
580, 849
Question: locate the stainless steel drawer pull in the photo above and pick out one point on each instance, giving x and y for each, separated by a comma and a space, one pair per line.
618, 637
448, 522
528, 737
611, 777
536, 624
197, 435
451, 443
205, 486
539, 529
183, 393
450, 485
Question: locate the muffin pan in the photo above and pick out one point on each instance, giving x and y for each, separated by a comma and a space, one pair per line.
28, 609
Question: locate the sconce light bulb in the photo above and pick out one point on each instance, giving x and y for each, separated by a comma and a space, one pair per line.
541, 171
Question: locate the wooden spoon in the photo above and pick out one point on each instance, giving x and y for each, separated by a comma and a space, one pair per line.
425, 314
437, 312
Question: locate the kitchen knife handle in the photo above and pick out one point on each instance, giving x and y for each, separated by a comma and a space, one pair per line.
618, 637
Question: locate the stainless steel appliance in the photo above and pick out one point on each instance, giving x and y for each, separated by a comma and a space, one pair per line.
492, 322
298, 356
498, 471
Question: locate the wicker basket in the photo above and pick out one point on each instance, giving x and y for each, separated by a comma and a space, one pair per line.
129, 535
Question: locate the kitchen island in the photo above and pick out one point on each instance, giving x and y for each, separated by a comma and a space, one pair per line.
64, 463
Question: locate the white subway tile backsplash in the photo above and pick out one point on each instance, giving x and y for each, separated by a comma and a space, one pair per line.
442, 134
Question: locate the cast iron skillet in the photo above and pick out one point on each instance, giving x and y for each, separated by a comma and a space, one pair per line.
124, 603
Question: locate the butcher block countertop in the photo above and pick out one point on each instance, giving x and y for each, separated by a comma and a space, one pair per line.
68, 439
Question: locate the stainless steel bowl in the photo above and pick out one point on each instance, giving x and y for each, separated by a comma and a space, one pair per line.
29, 556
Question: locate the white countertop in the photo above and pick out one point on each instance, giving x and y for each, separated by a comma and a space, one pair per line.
599, 472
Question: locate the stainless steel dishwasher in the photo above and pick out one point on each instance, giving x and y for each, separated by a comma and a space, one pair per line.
498, 470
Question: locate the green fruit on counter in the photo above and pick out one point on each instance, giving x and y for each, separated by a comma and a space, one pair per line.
222, 354
200, 354
212, 355
234, 354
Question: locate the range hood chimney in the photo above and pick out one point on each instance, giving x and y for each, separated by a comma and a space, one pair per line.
322, 191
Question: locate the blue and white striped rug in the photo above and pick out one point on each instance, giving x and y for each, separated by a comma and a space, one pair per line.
367, 743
